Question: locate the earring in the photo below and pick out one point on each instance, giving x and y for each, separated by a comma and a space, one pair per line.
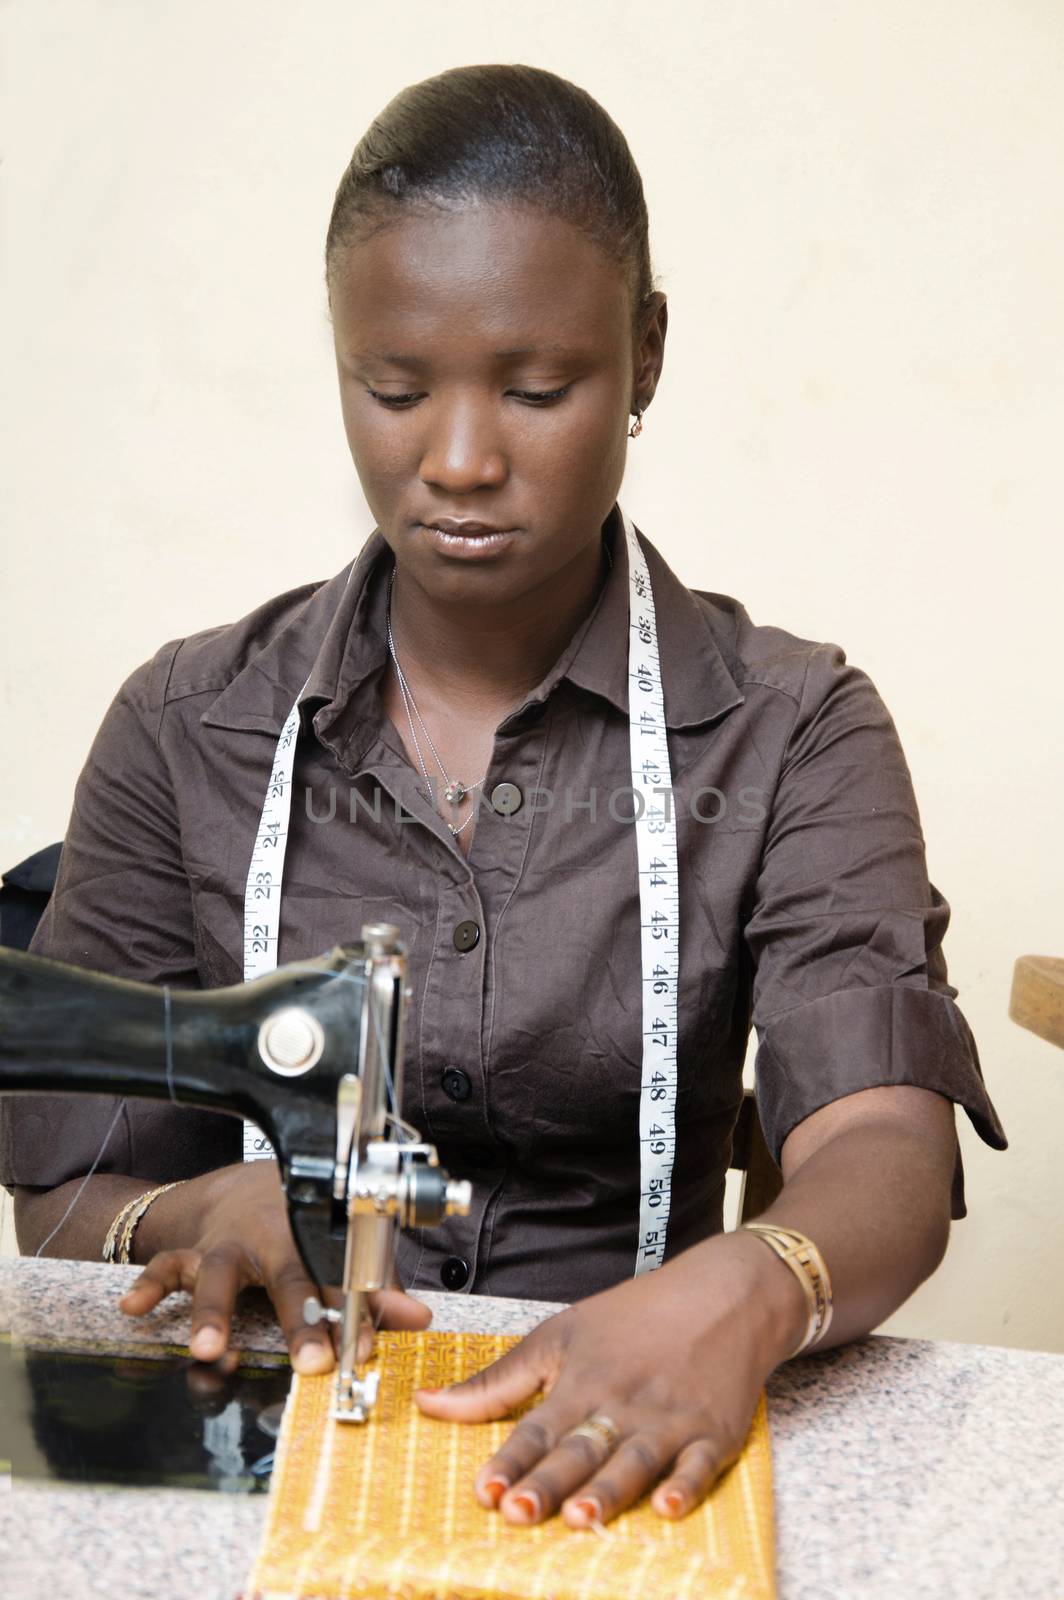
637, 426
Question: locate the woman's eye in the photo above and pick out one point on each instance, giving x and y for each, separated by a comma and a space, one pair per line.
536, 397
396, 400
541, 397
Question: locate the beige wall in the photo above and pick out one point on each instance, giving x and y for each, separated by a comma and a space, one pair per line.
856, 217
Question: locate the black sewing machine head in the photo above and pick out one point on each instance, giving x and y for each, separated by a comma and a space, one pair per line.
311, 1054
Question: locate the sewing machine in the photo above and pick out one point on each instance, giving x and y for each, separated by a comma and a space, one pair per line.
312, 1054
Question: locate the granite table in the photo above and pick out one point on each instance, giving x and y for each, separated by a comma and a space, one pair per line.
902, 1468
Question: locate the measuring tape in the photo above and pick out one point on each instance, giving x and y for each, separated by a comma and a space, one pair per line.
262, 892
659, 910
659, 903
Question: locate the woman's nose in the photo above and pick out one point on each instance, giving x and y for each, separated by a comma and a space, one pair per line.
464, 451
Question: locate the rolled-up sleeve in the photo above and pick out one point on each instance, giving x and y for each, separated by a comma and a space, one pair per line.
850, 988
121, 905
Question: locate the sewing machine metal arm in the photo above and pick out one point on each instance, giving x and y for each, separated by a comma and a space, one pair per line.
311, 1054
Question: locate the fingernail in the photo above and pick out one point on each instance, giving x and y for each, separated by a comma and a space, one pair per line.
312, 1357
495, 1488
207, 1344
589, 1508
674, 1501
527, 1502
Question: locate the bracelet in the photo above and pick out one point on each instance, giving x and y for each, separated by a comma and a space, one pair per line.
808, 1266
112, 1233
117, 1247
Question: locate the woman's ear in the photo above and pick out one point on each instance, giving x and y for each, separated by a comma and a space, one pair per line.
650, 348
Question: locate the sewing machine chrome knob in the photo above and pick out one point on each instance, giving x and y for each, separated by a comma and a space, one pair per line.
407, 1183
314, 1312
291, 1041
458, 1198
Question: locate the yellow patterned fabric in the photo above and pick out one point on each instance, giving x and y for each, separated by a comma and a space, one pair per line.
385, 1510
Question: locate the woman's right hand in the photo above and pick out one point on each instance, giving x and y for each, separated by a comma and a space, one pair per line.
238, 1220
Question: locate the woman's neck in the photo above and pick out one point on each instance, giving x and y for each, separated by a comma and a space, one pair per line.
472, 659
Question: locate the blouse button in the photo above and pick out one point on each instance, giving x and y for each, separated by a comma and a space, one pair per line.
454, 1274
465, 936
457, 1085
506, 798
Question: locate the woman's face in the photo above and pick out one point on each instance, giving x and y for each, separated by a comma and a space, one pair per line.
448, 326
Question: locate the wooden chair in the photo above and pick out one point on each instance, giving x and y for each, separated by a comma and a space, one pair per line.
1037, 999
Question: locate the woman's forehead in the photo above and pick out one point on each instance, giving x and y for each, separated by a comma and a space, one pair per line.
511, 278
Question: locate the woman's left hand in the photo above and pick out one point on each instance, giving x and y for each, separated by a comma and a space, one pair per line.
675, 1360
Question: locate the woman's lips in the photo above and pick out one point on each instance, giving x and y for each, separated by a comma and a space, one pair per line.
473, 544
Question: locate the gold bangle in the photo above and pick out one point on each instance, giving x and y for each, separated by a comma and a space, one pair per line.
808, 1266
111, 1240
125, 1249
119, 1242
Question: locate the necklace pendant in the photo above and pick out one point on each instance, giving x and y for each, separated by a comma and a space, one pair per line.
455, 792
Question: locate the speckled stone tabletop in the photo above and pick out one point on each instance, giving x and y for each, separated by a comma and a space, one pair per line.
903, 1469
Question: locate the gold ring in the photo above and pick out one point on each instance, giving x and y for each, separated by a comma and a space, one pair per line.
601, 1429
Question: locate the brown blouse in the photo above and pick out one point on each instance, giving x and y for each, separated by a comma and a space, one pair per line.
805, 908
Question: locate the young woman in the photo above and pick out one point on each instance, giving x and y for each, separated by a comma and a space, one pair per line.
489, 667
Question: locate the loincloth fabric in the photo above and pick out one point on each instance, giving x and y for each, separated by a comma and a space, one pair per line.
385, 1510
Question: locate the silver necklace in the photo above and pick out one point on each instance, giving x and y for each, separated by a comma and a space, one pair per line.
455, 791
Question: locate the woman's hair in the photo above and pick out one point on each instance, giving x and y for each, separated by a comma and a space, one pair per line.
515, 134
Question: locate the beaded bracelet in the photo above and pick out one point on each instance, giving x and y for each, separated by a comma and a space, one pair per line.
808, 1266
